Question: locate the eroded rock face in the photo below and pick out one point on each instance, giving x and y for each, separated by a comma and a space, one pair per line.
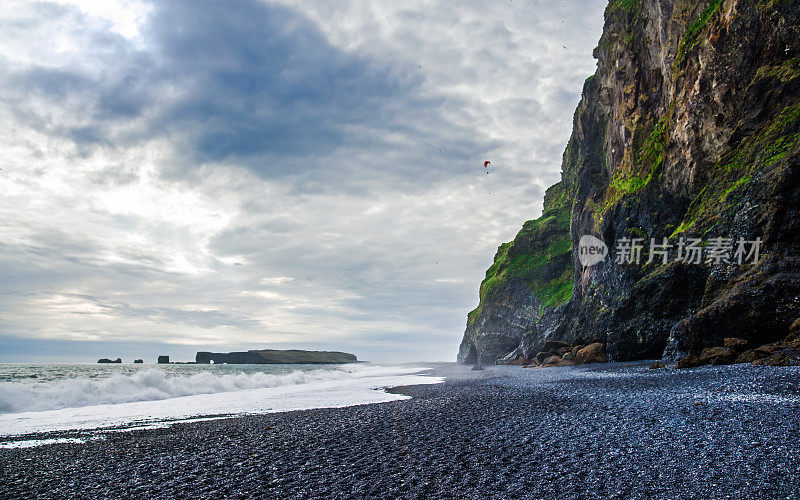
690, 128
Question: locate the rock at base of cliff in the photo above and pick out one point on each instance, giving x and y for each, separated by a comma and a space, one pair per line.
786, 356
709, 356
518, 361
657, 365
736, 345
794, 331
717, 356
552, 362
775, 354
554, 345
752, 355
592, 353
689, 361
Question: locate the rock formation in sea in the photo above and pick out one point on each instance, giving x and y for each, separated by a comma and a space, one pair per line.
688, 130
274, 356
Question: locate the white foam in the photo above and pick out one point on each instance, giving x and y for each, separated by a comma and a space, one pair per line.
30, 443
353, 386
153, 384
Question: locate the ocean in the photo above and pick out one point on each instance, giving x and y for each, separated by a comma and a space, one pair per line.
38, 398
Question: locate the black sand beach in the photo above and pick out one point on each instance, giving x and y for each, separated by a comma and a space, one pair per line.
602, 431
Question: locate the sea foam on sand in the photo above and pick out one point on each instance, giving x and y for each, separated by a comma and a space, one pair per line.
362, 385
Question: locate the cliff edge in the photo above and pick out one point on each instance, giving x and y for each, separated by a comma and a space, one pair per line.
683, 161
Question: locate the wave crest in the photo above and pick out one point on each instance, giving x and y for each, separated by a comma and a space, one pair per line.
148, 385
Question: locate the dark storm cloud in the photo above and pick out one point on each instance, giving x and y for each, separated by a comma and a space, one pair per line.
241, 82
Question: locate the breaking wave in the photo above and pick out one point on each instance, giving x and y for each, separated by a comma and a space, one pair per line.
153, 384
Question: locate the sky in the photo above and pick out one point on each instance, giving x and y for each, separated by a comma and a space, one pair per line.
204, 175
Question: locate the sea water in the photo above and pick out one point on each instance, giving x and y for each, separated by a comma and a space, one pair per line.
59, 397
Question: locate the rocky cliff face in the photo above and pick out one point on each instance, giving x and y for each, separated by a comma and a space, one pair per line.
689, 130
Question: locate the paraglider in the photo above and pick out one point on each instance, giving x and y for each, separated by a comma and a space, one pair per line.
486, 163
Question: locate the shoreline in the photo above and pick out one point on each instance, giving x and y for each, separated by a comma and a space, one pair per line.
155, 397
596, 430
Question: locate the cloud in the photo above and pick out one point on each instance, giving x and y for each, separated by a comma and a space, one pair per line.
254, 173
241, 82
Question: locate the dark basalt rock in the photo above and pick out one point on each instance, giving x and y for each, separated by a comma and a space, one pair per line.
690, 128
138, 361
106, 360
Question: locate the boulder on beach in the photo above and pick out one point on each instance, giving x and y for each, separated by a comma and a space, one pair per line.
689, 361
709, 356
752, 355
138, 361
735, 344
657, 365
717, 356
552, 360
518, 361
777, 359
592, 353
576, 348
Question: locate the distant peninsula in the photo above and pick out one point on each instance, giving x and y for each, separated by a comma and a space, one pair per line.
275, 356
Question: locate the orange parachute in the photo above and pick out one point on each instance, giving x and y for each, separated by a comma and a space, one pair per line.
486, 163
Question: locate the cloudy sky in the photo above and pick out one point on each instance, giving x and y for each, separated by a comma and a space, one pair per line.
252, 173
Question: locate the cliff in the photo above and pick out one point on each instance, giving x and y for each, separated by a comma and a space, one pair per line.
688, 130
274, 356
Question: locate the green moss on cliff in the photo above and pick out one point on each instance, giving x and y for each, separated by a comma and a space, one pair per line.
789, 70
736, 170
540, 256
648, 159
691, 38
620, 5
556, 292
